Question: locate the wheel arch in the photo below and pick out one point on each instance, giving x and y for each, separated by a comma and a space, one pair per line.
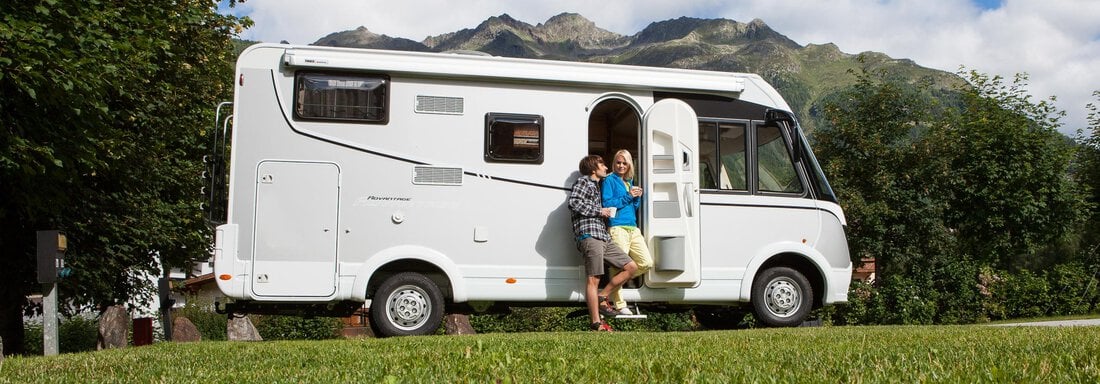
803, 259
431, 263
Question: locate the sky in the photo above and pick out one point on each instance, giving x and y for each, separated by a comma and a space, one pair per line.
1055, 42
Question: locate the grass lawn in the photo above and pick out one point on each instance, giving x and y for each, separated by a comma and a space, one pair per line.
971, 353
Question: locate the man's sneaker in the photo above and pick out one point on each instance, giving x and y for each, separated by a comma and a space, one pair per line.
602, 326
624, 311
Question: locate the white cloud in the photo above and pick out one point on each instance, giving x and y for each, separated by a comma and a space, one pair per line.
1057, 42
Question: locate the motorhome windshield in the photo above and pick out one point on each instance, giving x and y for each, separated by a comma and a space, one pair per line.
821, 184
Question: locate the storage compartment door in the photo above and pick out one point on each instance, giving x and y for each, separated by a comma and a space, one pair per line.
295, 239
671, 221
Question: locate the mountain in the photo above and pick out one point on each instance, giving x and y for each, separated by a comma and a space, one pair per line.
804, 75
363, 38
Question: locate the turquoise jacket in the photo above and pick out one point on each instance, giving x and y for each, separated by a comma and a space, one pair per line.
616, 194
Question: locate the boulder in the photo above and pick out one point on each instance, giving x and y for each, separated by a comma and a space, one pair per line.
458, 324
241, 329
183, 330
114, 327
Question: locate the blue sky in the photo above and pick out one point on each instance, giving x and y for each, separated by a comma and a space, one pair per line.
988, 4
1056, 42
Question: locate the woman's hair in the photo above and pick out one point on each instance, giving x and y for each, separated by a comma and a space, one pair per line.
629, 163
590, 164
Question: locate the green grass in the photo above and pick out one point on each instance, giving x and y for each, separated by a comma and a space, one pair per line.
796, 355
1045, 319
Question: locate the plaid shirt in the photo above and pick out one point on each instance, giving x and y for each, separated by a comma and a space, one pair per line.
584, 206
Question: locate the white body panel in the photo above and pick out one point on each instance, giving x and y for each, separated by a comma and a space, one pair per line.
317, 207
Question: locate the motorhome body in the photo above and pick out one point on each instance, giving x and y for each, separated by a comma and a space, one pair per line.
425, 181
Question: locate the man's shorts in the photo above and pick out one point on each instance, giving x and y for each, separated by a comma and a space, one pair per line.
596, 251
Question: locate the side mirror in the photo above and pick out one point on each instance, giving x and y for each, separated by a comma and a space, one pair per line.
775, 116
785, 121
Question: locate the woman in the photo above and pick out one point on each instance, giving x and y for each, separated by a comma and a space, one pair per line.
619, 192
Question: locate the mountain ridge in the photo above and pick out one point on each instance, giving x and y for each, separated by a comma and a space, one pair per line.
805, 75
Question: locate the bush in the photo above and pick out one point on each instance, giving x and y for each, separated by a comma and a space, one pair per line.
902, 300
1073, 289
955, 292
1025, 294
211, 325
74, 334
272, 327
858, 309
566, 319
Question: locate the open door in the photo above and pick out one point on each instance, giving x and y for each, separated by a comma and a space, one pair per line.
671, 218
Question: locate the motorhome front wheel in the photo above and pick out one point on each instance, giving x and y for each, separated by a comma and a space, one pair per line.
781, 297
406, 304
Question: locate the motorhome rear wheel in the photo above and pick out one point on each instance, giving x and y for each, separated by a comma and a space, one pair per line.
406, 304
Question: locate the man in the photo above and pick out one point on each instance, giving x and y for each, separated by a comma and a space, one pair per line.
594, 242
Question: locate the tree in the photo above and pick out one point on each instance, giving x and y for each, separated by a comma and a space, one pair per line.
938, 192
1009, 188
872, 147
102, 109
1088, 175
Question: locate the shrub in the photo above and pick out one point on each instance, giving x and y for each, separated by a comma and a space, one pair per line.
566, 319
273, 327
955, 292
74, 334
78, 334
1026, 294
903, 300
211, 325
1073, 289
858, 309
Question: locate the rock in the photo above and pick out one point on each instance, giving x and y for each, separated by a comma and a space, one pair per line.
183, 330
241, 329
114, 327
458, 324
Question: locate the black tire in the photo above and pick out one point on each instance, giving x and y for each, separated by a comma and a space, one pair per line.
781, 297
406, 304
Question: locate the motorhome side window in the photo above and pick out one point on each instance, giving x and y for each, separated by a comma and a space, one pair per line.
722, 158
513, 138
775, 170
345, 97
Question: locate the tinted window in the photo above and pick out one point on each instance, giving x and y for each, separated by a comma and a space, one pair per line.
775, 170
513, 138
321, 96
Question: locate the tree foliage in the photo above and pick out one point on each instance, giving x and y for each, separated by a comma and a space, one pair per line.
873, 148
102, 109
937, 193
1088, 175
1009, 186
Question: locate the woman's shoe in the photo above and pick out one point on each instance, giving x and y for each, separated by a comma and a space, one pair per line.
606, 308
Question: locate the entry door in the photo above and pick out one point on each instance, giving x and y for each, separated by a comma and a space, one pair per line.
672, 206
295, 238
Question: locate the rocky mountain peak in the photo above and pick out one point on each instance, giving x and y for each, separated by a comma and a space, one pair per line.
363, 38
572, 27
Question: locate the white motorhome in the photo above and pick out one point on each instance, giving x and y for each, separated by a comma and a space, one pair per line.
433, 182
